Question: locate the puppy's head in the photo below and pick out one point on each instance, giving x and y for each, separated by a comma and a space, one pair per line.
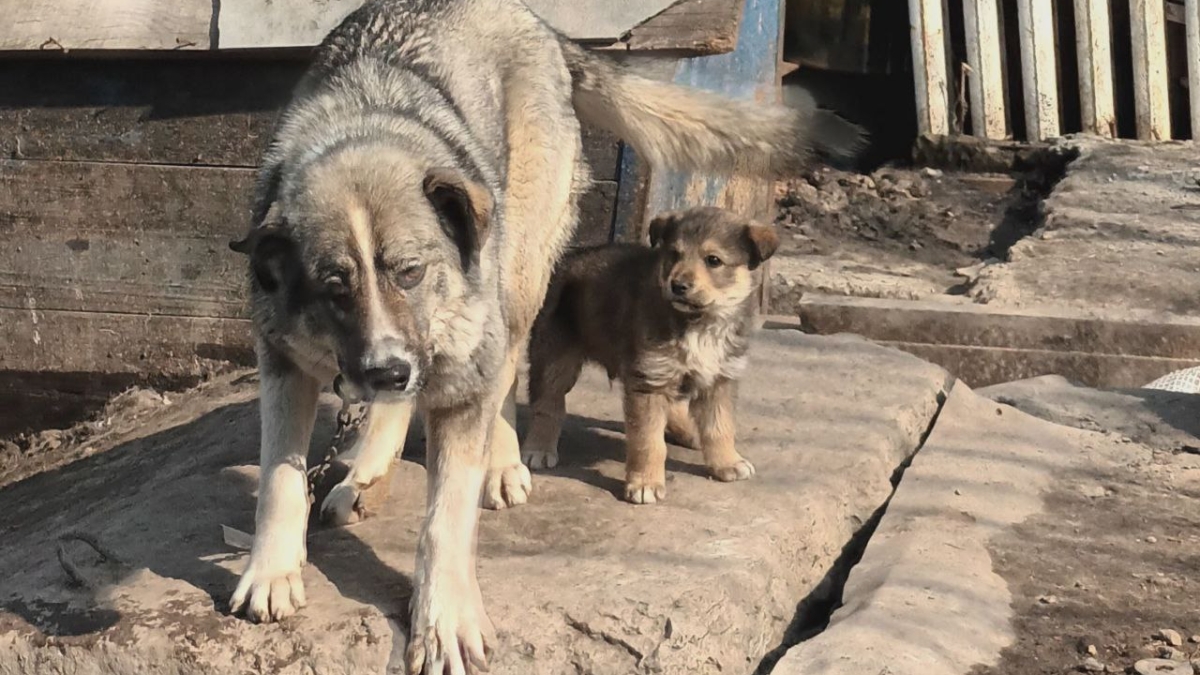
367, 254
708, 258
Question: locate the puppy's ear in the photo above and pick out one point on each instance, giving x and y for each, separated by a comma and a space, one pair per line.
464, 209
273, 259
663, 227
761, 241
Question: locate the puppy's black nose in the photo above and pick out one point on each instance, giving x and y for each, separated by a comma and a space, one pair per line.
391, 376
680, 287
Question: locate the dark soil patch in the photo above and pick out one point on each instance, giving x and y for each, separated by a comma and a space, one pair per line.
1107, 572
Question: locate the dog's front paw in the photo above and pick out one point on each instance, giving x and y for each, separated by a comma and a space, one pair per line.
451, 633
506, 486
271, 588
641, 491
343, 505
539, 458
739, 470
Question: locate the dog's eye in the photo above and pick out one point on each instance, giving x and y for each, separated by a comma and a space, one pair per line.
336, 285
410, 276
713, 261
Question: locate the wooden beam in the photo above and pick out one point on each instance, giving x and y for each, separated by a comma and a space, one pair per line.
929, 66
1093, 30
1038, 68
1192, 8
984, 55
51, 25
696, 26
1150, 79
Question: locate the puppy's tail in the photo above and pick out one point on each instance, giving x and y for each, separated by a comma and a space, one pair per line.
685, 128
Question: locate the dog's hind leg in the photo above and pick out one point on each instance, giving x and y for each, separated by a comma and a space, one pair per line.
681, 430
374, 453
271, 588
508, 482
713, 413
554, 368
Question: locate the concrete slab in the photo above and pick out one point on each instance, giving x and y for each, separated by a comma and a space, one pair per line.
1120, 233
925, 599
576, 581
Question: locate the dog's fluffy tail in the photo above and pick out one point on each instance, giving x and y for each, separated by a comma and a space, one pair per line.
685, 128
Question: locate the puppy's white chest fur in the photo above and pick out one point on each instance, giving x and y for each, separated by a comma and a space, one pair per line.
703, 353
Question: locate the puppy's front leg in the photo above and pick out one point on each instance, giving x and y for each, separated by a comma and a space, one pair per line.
451, 632
271, 588
713, 414
646, 449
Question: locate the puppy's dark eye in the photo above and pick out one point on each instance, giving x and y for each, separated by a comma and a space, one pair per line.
713, 261
336, 284
410, 275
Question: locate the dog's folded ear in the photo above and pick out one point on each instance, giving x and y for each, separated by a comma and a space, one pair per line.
463, 206
761, 242
273, 259
663, 226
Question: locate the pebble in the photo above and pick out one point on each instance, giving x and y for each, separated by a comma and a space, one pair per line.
1163, 667
1194, 639
1048, 599
1169, 636
1170, 653
1092, 651
1153, 540
932, 172
1091, 665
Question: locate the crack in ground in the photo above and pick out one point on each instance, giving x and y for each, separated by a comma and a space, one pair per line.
815, 610
595, 634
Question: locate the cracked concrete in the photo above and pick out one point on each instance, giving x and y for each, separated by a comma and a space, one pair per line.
575, 581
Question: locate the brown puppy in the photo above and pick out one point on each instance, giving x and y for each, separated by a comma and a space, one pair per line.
671, 322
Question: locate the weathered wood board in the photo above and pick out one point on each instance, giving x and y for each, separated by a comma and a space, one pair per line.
691, 26
149, 25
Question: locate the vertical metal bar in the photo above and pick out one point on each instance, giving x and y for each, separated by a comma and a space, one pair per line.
1192, 10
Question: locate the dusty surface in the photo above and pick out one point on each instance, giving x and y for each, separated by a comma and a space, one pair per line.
897, 233
1111, 562
1120, 233
576, 581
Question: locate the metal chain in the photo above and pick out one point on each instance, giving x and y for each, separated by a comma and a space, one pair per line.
345, 420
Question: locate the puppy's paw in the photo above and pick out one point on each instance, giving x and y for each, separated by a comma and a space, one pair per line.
343, 505
741, 469
450, 632
271, 588
639, 491
506, 486
540, 459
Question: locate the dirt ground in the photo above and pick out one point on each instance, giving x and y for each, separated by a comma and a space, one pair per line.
1106, 569
898, 232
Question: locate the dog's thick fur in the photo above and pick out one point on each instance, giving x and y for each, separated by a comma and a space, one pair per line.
416, 195
672, 323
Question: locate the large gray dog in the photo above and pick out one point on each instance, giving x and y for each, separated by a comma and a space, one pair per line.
419, 189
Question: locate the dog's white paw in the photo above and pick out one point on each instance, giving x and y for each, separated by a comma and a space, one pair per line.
271, 588
540, 459
641, 492
506, 486
342, 505
451, 633
739, 470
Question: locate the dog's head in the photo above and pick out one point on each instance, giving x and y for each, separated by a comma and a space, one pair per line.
372, 257
708, 256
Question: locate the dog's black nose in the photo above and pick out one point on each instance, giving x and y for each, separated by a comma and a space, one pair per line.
680, 287
392, 376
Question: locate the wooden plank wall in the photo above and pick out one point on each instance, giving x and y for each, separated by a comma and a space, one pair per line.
122, 182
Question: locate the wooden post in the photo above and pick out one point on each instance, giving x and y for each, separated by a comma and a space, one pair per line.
1093, 30
1192, 9
982, 19
929, 66
1038, 68
1150, 85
